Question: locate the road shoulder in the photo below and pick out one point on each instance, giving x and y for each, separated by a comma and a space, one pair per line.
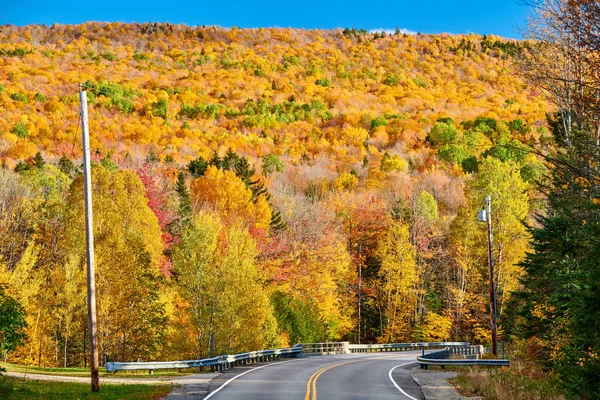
435, 385
188, 380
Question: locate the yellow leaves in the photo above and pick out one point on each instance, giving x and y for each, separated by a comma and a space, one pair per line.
319, 274
218, 275
436, 327
262, 213
345, 181
228, 194
543, 311
590, 357
583, 182
394, 163
153, 72
222, 190
121, 214
398, 276
375, 178
354, 136
22, 149
25, 281
379, 137
481, 334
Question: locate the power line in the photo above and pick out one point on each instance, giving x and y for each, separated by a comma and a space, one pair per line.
4, 18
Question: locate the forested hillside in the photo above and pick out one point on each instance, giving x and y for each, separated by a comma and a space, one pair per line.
261, 186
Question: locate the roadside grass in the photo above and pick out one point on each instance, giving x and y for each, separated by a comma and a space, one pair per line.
86, 371
522, 381
18, 389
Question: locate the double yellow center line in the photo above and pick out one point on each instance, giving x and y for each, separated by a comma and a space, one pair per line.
311, 385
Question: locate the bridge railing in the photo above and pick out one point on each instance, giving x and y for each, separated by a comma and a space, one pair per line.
224, 362
367, 348
325, 348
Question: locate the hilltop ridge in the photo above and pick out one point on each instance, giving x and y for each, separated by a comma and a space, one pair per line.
184, 91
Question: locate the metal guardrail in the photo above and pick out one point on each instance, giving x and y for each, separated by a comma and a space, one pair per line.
366, 348
462, 351
219, 363
470, 353
425, 362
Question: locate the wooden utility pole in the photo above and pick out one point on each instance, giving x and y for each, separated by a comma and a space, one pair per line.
359, 289
89, 235
488, 203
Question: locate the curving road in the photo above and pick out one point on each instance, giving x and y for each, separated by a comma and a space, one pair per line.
378, 376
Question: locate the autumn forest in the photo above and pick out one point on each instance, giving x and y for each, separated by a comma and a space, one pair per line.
263, 187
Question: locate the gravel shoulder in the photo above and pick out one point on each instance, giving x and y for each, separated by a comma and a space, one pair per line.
435, 385
196, 379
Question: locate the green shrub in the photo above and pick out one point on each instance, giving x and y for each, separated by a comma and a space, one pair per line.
391, 80
40, 97
470, 164
453, 153
159, 108
323, 82
140, 56
108, 56
443, 134
20, 130
420, 82
19, 97
379, 121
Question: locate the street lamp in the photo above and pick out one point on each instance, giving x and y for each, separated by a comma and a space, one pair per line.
486, 216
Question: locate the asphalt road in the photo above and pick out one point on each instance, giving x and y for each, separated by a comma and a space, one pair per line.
347, 376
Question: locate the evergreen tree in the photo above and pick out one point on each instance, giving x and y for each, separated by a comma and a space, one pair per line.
197, 167
185, 204
38, 160
558, 308
215, 160
230, 160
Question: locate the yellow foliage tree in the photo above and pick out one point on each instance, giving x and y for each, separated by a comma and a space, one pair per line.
229, 196
128, 250
219, 279
398, 279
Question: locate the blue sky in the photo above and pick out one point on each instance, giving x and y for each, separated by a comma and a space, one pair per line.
504, 18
